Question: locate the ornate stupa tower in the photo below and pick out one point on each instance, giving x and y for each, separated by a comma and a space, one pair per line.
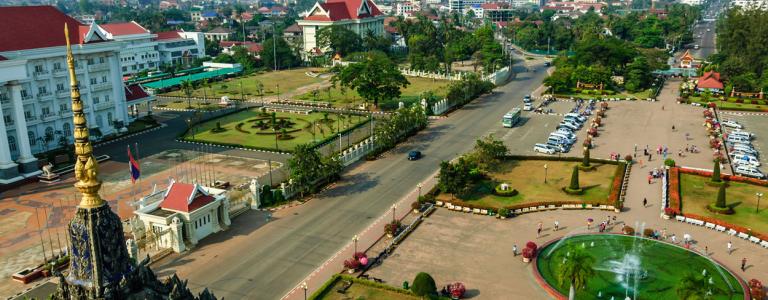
100, 267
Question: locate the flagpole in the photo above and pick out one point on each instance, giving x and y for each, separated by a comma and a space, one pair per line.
39, 233
138, 161
130, 176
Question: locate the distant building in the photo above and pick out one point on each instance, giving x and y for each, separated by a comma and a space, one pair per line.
293, 35
691, 2
183, 214
359, 16
497, 12
228, 47
35, 91
218, 34
180, 46
140, 50
406, 9
750, 4
463, 6
687, 60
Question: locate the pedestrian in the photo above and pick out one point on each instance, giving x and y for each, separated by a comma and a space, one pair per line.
673, 127
674, 238
635, 148
608, 220
664, 234
541, 225
538, 232
744, 264
686, 148
514, 250
730, 247
650, 177
645, 152
706, 251
645, 202
680, 152
557, 225
649, 157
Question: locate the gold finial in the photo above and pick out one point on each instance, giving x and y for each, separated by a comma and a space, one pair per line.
86, 167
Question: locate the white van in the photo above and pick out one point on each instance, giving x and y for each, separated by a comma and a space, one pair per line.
746, 160
566, 132
737, 139
568, 125
577, 116
744, 148
743, 134
563, 136
748, 171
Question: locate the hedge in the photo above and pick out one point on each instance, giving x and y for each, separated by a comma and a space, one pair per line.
328, 286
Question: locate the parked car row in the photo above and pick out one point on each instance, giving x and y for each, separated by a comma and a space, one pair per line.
743, 155
562, 139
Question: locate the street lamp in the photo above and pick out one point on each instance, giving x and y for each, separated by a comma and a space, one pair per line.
759, 195
354, 239
419, 186
305, 287
545, 173
393, 212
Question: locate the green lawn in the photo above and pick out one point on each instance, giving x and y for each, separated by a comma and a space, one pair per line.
211, 104
696, 194
350, 97
730, 104
360, 290
288, 81
527, 177
140, 124
641, 95
251, 135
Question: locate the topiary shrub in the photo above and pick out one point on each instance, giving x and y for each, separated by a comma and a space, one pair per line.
504, 212
716, 172
504, 193
628, 230
424, 285
218, 128
720, 207
669, 162
574, 188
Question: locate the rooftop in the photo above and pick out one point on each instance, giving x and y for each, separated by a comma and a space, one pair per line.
127, 28
30, 27
336, 10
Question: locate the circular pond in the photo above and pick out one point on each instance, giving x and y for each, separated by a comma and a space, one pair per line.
627, 267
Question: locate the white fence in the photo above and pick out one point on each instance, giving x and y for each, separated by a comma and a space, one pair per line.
425, 74
356, 152
498, 77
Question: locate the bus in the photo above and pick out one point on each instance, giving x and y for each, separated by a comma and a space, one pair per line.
511, 118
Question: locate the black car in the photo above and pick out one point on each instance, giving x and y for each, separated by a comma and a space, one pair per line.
547, 64
414, 155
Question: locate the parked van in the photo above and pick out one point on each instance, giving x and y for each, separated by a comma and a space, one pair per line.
563, 136
744, 148
578, 116
743, 134
746, 160
748, 171
737, 139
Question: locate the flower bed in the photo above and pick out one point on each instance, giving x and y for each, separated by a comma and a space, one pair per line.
675, 207
618, 179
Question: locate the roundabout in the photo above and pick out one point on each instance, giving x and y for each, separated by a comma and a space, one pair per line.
632, 267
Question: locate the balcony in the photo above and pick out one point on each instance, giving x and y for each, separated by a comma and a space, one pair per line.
45, 96
98, 67
26, 97
59, 72
62, 94
65, 113
40, 74
30, 118
9, 123
101, 86
103, 105
49, 117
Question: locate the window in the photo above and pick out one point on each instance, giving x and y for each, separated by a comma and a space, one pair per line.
32, 138
57, 66
95, 100
106, 98
12, 143
101, 60
133, 67
7, 119
103, 79
63, 107
99, 121
109, 118
24, 93
90, 61
27, 114
67, 129
93, 81
49, 132
59, 87
42, 90
38, 68
46, 111
125, 69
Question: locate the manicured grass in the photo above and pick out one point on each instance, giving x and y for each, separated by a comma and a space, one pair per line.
731, 104
211, 104
527, 177
140, 124
265, 138
696, 195
289, 81
660, 266
641, 95
416, 88
364, 292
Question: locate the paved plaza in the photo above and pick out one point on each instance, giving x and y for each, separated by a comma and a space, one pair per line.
52, 205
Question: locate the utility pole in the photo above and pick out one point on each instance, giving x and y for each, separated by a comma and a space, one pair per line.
274, 45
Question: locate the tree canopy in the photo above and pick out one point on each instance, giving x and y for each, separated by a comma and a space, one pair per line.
376, 79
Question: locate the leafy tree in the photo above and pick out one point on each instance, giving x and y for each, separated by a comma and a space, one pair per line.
339, 39
560, 80
372, 42
638, 75
457, 178
244, 58
188, 89
574, 186
424, 285
285, 55
306, 167
716, 172
720, 202
577, 269
488, 152
376, 79
224, 58
212, 48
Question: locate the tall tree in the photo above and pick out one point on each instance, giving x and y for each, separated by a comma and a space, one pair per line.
188, 89
339, 39
376, 79
577, 269
285, 56
691, 287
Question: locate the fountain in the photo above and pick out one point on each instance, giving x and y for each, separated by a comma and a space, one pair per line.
633, 267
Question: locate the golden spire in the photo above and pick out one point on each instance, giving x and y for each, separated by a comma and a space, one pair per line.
86, 167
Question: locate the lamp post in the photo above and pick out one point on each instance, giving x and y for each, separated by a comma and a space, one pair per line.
759, 195
419, 186
393, 212
274, 130
305, 288
545, 173
354, 239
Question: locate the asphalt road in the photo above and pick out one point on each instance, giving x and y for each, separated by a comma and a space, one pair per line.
245, 263
706, 42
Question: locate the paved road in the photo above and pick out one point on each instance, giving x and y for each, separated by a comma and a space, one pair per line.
266, 263
706, 42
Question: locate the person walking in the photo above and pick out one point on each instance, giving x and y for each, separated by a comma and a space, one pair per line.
744, 264
557, 225
650, 177
514, 250
538, 232
649, 156
674, 238
645, 201
706, 251
730, 247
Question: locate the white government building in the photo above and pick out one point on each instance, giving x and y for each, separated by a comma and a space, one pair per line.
359, 16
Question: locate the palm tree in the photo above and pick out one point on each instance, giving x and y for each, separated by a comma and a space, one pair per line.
188, 89
205, 85
576, 270
691, 286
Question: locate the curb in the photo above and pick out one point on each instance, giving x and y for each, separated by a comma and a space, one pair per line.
162, 125
232, 147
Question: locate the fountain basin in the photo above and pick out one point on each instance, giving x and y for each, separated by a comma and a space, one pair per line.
634, 267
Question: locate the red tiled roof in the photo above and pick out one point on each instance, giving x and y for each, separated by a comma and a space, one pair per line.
126, 28
344, 10
490, 6
710, 80
178, 195
167, 35
254, 47
135, 92
293, 28
30, 27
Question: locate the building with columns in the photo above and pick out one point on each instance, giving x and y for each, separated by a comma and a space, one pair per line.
34, 88
359, 16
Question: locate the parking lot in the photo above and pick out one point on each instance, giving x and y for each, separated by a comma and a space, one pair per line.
755, 124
